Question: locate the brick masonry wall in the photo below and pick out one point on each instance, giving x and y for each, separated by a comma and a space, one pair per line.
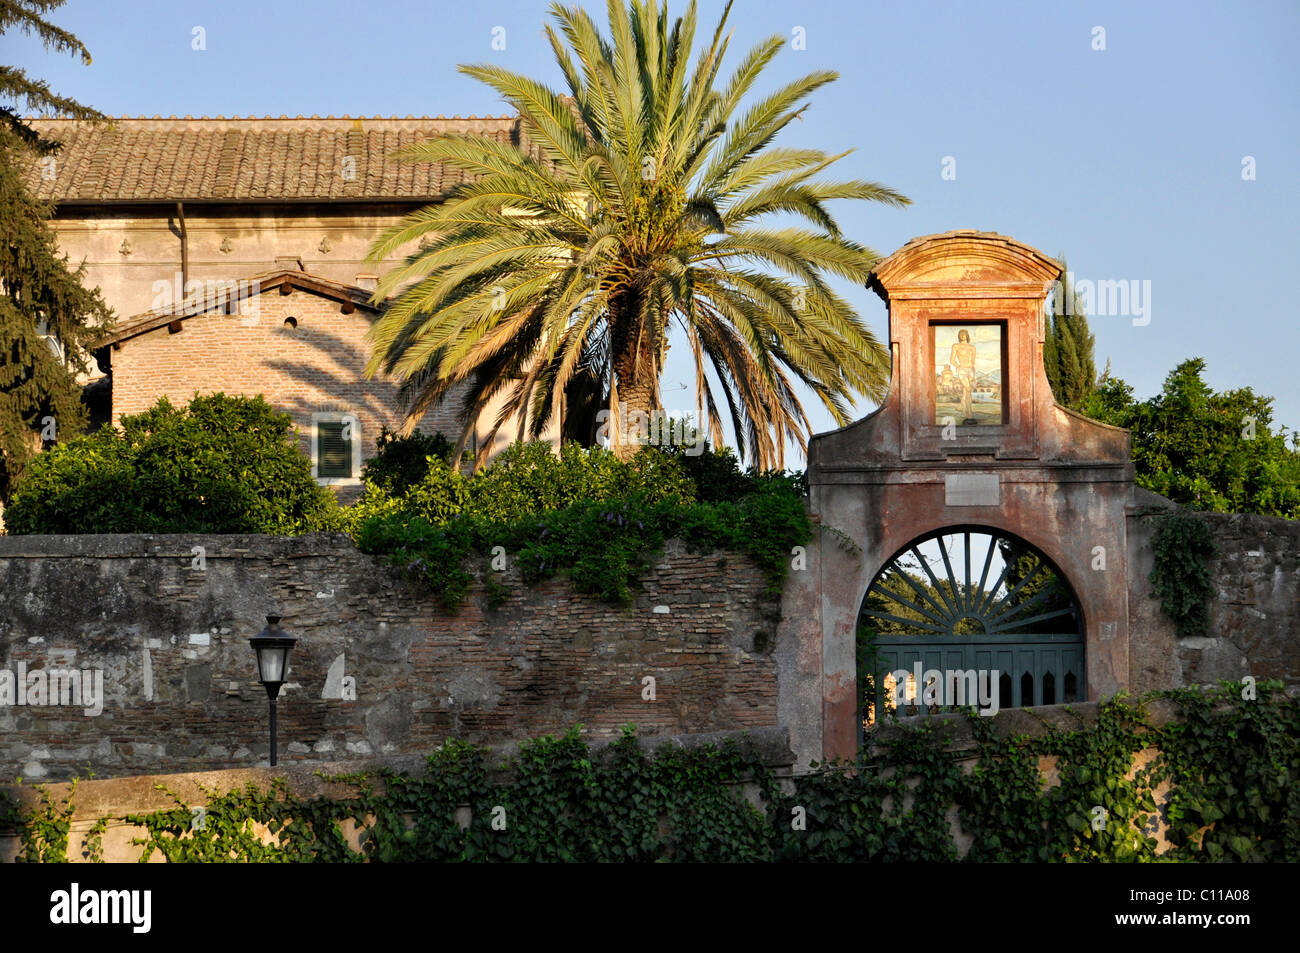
317, 366
179, 680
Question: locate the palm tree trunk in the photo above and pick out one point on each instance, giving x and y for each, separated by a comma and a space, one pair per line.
636, 370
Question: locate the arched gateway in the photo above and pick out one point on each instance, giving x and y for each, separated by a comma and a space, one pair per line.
969, 616
968, 462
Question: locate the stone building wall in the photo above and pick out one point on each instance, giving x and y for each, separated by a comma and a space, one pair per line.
1254, 612
179, 687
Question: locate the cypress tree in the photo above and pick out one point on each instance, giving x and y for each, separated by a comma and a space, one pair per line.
1068, 346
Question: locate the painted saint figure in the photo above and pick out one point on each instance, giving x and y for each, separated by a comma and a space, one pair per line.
963, 360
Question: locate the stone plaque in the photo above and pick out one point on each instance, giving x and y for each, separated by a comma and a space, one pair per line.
972, 489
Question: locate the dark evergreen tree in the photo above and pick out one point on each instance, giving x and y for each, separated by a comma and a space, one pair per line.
1068, 345
48, 319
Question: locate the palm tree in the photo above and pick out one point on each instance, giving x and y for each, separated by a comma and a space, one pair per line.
634, 203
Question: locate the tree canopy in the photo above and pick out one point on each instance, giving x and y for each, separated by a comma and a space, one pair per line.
1207, 450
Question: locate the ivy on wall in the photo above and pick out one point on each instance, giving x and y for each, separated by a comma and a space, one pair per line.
1180, 578
584, 513
1223, 781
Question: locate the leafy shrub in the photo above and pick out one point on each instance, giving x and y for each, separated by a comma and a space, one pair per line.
1206, 450
85, 485
585, 514
716, 473
527, 478
601, 545
219, 465
432, 554
401, 462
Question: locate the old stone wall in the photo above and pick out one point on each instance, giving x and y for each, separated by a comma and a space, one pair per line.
164, 621
159, 624
1254, 611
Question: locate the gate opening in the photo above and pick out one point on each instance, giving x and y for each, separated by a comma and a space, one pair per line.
967, 616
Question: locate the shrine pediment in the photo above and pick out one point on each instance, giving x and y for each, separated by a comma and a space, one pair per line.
968, 388
965, 263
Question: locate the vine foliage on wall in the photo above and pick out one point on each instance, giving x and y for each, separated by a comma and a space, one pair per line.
1181, 577
1219, 777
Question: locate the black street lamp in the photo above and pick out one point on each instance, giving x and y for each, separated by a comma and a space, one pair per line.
272, 646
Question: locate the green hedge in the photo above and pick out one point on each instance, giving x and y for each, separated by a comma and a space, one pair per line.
232, 465
1232, 762
218, 465
585, 515
401, 462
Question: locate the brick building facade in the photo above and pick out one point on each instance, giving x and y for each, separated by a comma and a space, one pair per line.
177, 218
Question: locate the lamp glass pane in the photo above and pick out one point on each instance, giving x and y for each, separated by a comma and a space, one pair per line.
270, 664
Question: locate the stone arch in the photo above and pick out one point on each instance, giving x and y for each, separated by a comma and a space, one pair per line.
977, 602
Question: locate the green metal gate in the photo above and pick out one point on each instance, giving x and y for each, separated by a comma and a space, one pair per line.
967, 600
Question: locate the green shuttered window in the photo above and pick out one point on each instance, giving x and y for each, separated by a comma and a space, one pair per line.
333, 451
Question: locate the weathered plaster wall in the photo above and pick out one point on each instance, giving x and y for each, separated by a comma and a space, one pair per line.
179, 682
1254, 612
330, 241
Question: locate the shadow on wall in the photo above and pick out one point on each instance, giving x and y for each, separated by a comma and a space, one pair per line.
333, 384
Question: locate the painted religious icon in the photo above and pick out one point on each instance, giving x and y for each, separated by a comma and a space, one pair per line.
968, 374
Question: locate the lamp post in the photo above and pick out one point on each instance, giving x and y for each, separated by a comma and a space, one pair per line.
272, 646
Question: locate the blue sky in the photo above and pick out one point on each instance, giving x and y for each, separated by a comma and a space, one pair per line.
1127, 160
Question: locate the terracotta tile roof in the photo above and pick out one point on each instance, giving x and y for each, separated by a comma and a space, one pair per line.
253, 159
